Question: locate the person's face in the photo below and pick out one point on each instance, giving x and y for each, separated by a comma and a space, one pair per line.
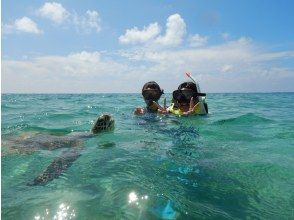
183, 96
151, 95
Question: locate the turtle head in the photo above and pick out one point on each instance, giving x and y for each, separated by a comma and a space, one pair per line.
104, 123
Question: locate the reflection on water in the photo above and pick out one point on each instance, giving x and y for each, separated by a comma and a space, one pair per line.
64, 212
133, 198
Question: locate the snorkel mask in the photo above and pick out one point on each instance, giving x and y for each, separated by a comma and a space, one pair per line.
151, 92
186, 91
184, 96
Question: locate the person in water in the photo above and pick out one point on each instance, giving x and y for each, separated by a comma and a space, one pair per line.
187, 100
151, 93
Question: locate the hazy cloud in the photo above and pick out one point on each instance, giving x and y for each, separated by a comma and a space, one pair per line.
59, 15
225, 36
211, 65
76, 72
226, 68
85, 23
197, 40
86, 56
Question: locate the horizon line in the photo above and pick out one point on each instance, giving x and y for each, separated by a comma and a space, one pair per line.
75, 93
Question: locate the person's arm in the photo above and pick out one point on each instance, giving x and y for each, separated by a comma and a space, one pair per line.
192, 107
162, 110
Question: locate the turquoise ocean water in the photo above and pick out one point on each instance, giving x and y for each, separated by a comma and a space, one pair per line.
235, 163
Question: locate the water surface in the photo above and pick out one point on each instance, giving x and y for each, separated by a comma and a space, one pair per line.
235, 163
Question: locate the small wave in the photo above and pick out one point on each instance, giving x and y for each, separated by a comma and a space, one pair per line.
246, 119
55, 131
60, 116
13, 128
4, 107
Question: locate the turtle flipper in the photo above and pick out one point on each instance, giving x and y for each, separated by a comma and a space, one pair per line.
59, 165
56, 168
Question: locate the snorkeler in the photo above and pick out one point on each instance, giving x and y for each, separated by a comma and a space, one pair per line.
187, 100
151, 92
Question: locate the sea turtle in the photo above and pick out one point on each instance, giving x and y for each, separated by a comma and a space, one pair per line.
103, 123
30, 143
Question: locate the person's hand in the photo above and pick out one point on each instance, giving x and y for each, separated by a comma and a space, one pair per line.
139, 111
162, 110
192, 107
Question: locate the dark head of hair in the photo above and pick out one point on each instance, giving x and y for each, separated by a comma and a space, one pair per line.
188, 85
151, 85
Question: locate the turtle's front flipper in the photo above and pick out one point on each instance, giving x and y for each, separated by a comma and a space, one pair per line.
57, 167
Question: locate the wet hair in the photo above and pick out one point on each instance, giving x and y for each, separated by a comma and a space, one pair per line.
188, 85
151, 85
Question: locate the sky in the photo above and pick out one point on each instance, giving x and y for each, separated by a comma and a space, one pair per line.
117, 46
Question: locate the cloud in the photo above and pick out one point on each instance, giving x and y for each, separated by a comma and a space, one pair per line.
76, 72
135, 35
84, 24
226, 68
197, 40
225, 36
253, 70
90, 21
175, 31
86, 56
216, 63
54, 11
23, 24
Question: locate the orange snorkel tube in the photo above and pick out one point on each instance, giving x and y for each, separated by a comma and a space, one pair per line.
190, 76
